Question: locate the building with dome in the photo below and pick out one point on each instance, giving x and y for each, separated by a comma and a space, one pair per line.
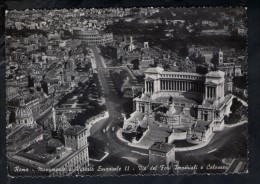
194, 104
24, 131
24, 115
54, 154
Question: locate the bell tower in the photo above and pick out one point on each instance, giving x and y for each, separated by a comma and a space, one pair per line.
220, 57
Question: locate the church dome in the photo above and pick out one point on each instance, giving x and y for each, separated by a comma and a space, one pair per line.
23, 112
24, 115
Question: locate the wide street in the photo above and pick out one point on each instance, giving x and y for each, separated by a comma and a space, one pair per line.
225, 144
121, 154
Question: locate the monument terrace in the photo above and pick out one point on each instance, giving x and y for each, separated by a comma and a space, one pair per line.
193, 103
195, 85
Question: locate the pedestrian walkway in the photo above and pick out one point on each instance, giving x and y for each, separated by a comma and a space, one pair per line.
236, 124
242, 101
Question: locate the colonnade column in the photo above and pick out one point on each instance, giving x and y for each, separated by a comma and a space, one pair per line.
183, 86
163, 83
206, 92
149, 87
217, 92
211, 92
223, 89
146, 86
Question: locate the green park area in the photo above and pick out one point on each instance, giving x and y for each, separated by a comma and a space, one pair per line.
238, 112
